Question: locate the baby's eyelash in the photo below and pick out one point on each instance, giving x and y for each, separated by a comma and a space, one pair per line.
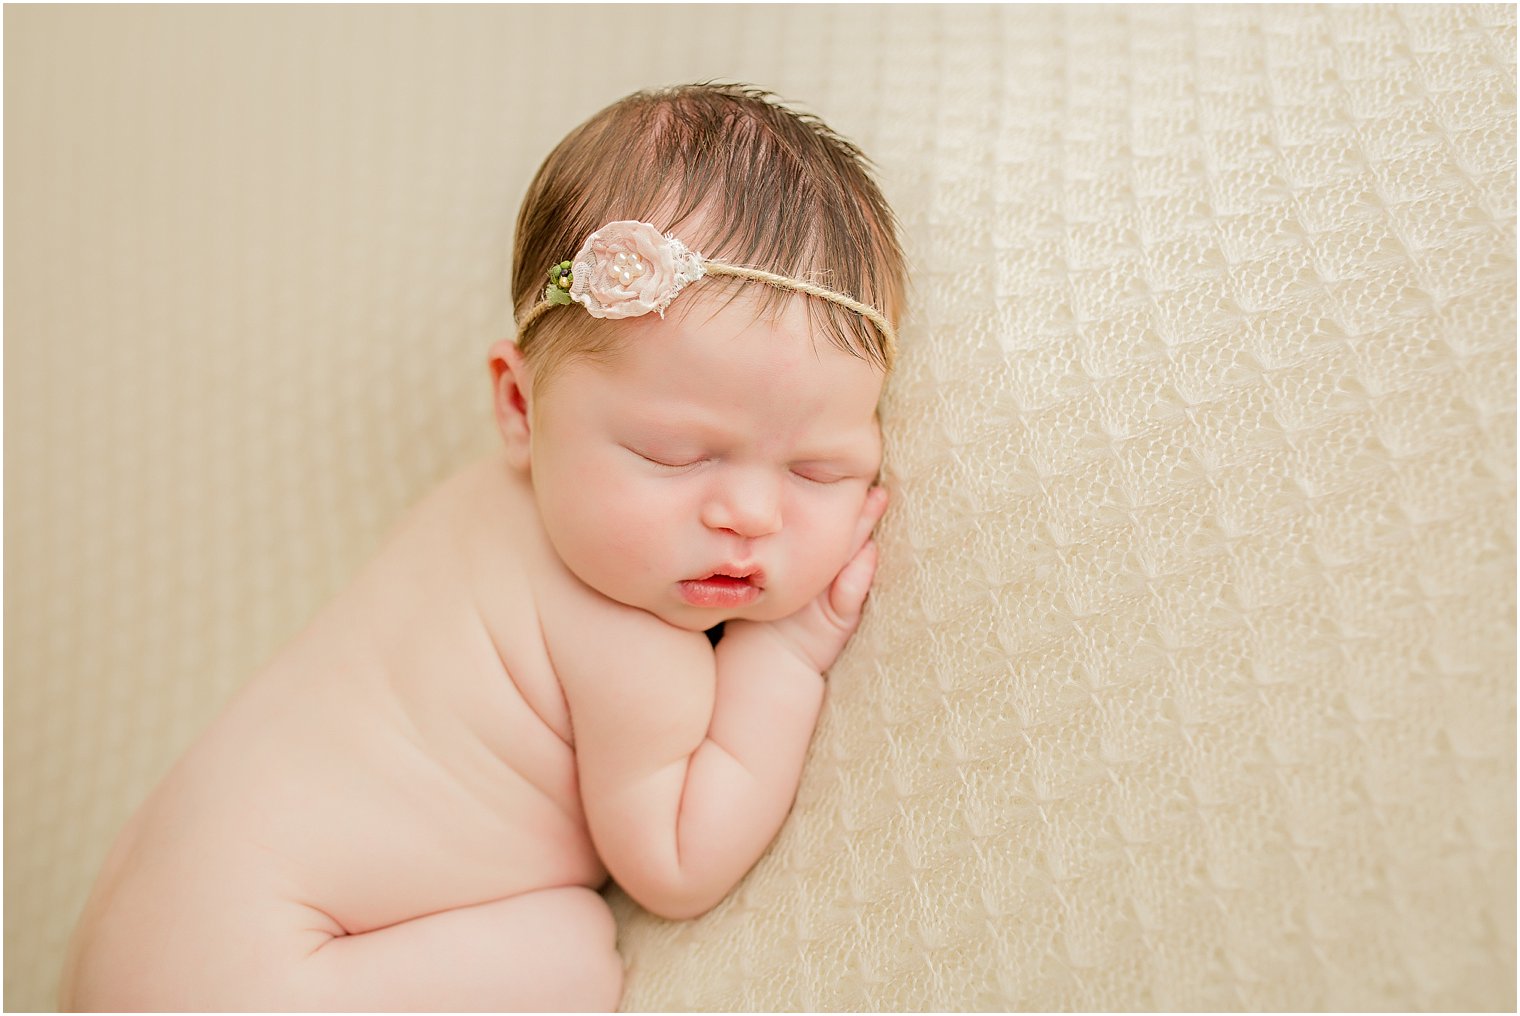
667, 465
814, 479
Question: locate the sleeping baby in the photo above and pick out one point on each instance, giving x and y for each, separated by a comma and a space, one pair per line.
414, 805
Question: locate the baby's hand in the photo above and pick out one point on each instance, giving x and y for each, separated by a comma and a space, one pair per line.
818, 632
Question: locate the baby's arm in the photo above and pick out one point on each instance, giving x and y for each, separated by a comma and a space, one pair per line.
690, 757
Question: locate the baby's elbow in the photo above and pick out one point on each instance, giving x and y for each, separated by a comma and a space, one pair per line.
682, 910
675, 902
678, 885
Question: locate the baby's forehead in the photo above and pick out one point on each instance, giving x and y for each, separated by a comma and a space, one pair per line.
836, 417
749, 312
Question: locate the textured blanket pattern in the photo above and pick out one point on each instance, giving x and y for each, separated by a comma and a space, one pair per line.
1187, 682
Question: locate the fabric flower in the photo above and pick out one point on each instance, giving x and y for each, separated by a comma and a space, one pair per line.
629, 268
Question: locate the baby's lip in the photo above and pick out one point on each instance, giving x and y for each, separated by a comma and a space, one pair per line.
750, 573
727, 587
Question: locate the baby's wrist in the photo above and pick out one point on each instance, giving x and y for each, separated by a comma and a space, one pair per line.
763, 641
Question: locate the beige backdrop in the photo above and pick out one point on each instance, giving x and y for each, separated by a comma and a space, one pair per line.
1188, 680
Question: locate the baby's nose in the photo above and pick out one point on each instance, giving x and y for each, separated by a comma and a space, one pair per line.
749, 505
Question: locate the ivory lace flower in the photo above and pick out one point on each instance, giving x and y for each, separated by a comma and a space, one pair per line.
629, 268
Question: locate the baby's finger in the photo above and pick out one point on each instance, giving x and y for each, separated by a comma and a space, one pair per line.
870, 514
848, 593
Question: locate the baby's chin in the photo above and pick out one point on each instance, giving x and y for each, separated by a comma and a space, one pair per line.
696, 619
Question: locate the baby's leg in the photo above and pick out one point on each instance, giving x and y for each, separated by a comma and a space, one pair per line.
550, 951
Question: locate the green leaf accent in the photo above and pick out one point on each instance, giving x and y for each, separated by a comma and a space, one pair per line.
557, 291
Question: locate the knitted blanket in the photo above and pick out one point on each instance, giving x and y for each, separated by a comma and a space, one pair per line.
1187, 681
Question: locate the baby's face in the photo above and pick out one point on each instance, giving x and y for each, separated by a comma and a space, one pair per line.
715, 444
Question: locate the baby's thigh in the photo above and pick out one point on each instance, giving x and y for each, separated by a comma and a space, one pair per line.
551, 951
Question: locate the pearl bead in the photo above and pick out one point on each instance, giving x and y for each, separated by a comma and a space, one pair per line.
627, 266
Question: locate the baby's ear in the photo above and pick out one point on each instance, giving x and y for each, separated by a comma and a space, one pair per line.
511, 390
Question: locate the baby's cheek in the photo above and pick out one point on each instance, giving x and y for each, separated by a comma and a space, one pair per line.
831, 531
629, 526
592, 522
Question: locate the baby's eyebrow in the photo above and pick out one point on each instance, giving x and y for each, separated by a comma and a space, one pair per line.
849, 451
846, 459
833, 454
680, 428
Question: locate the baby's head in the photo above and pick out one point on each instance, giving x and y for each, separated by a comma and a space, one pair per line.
718, 434
734, 175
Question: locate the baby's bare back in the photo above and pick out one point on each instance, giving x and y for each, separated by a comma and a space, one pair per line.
408, 755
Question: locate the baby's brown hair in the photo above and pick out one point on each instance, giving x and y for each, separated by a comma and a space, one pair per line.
777, 190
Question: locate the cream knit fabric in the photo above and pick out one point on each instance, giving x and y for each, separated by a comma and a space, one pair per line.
1188, 678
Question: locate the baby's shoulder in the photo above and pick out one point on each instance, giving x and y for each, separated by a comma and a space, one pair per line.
546, 624
489, 512
490, 507
454, 594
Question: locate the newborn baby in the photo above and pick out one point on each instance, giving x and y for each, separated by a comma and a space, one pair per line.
413, 805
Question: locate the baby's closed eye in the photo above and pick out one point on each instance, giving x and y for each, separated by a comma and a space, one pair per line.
815, 474
668, 458
822, 473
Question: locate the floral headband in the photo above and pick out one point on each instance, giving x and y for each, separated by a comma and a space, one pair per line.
629, 268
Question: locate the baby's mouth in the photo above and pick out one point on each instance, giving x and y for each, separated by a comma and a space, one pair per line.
736, 577
733, 586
